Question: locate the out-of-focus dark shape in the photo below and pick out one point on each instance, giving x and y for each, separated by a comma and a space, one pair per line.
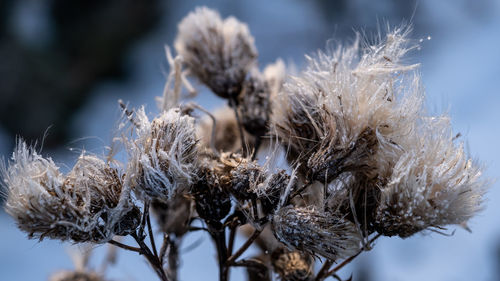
44, 85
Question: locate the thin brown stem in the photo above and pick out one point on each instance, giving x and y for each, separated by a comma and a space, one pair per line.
214, 125
349, 259
233, 105
126, 247
153, 260
151, 236
218, 233
250, 263
324, 269
142, 226
244, 247
258, 142
232, 236
164, 247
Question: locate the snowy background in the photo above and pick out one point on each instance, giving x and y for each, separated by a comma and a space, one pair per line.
460, 57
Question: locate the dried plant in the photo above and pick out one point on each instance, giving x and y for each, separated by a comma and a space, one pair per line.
363, 160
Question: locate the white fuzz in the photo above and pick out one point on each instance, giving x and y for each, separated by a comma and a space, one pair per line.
316, 233
433, 184
349, 94
82, 206
218, 52
163, 155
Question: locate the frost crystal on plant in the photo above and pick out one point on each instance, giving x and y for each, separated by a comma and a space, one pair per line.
163, 156
86, 205
218, 52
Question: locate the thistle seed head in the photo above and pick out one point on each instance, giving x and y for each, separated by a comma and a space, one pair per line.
163, 156
258, 191
210, 192
316, 233
218, 52
352, 98
433, 184
89, 204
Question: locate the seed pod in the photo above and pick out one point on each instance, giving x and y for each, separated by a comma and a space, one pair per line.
218, 52
316, 233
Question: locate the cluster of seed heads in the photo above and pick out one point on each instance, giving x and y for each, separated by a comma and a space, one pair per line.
362, 156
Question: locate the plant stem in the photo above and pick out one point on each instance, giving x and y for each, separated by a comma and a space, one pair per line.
244, 247
218, 233
324, 269
126, 247
233, 105
151, 236
153, 260
349, 259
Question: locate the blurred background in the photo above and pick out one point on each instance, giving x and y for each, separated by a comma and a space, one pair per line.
64, 64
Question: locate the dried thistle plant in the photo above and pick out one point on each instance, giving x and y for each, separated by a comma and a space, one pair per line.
364, 160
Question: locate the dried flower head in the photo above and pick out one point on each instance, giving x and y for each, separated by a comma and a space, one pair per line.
433, 184
164, 154
210, 192
292, 265
258, 190
89, 204
218, 52
315, 232
254, 104
347, 106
